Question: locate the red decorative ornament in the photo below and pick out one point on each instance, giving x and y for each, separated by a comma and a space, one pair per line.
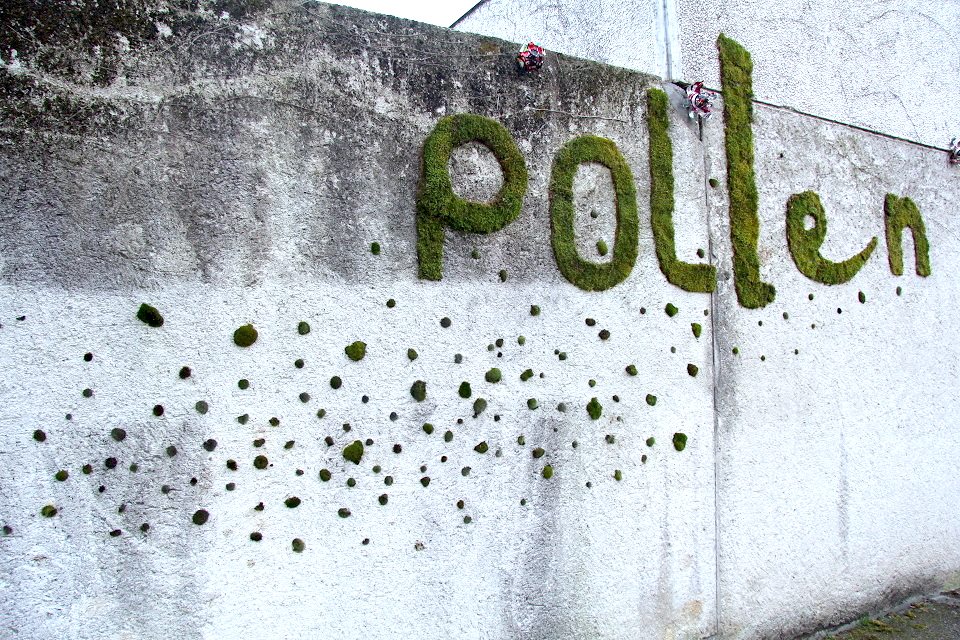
530, 58
955, 151
699, 101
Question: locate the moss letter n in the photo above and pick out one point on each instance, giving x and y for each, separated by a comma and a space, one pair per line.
437, 205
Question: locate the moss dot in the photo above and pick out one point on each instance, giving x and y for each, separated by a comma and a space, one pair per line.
274, 422
679, 441
631, 369
594, 409
375, 248
383, 499
713, 183
670, 309
617, 475
697, 329
479, 406
899, 291
532, 403
538, 452
292, 502
149, 315
62, 475
256, 536
602, 248
425, 481
483, 447
448, 436
391, 303
325, 475
336, 382
261, 462
534, 310
493, 375
321, 413
200, 516
651, 399
210, 445
445, 322
503, 275
418, 390
39, 435
862, 297
171, 451
185, 372
299, 545
604, 334
353, 452
298, 363
245, 335
548, 471
87, 393
692, 370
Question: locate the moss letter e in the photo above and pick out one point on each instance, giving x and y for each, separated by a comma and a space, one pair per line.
805, 243
437, 205
901, 213
736, 75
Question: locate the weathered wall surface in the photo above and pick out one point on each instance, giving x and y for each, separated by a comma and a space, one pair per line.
881, 64
231, 168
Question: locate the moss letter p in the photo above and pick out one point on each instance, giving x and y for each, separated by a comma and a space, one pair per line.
438, 205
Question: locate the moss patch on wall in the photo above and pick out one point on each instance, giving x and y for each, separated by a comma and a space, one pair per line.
149, 315
805, 243
900, 214
437, 205
679, 441
700, 278
419, 390
594, 409
591, 276
245, 336
736, 74
356, 350
353, 452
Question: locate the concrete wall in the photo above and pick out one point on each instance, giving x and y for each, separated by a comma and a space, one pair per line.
882, 65
231, 168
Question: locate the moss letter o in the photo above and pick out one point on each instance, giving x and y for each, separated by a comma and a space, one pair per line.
438, 205
591, 276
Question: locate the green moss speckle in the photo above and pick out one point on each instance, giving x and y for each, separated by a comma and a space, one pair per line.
464, 391
493, 375
651, 399
412, 355
299, 545
538, 452
243, 383
679, 441
149, 315
209, 445
298, 363
39, 435
479, 406
356, 350
261, 462
62, 475
900, 214
594, 409
87, 393
631, 369
325, 475
425, 481
670, 309
336, 382
185, 373
532, 403
274, 421
383, 499
696, 329
482, 447
689, 277
118, 434
602, 248
202, 407
862, 297
526, 375
303, 327
534, 310
419, 390
304, 397
617, 475
292, 502
244, 418
899, 291
427, 428
586, 275
245, 336
736, 73
375, 248
353, 452
692, 370
447, 436
158, 410
548, 472
714, 183
200, 516
651, 441
48, 511
391, 303
804, 244
503, 275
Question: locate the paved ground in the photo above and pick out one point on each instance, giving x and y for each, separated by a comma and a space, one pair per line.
935, 619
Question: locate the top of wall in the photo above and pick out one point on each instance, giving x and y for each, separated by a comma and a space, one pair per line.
877, 64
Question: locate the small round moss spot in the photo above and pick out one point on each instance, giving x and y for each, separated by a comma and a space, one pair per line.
670, 309
419, 391
538, 452
292, 502
149, 315
483, 447
651, 441
351, 482
534, 310
862, 297
209, 445
736, 350
298, 363
521, 440
202, 407
594, 409
631, 369
356, 351
604, 334
464, 391
303, 327
245, 336
617, 475
185, 373
679, 441
39, 435
532, 403
548, 471
651, 399
713, 183
274, 422
602, 248
299, 545
336, 382
243, 419
375, 248
391, 303
201, 516
425, 481
243, 383
62, 475
479, 406
412, 354
261, 462
87, 469
321, 413
445, 322
325, 475
256, 536
383, 499
353, 452
503, 275
448, 436
692, 370
232, 464
87, 393
493, 375
899, 291
696, 329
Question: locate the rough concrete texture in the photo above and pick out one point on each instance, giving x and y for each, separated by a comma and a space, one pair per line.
879, 64
935, 619
231, 168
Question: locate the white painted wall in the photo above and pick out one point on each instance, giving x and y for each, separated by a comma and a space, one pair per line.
883, 65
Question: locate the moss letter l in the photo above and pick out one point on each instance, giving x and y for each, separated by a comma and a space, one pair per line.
438, 205
736, 75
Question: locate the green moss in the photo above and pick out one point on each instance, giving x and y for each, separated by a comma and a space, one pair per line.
62, 475
602, 248
604, 334
209, 445
375, 248
736, 73
304, 397
356, 350
383, 499
87, 393
437, 205
185, 373
899, 291
805, 243
464, 390
503, 275
200, 516
391, 303
538, 452
243, 419
692, 370
493, 375
679, 441
245, 336
298, 363
325, 475
149, 315
202, 407
532, 403
425, 481
526, 375
427, 428
289, 444
303, 327
336, 382
479, 406
651, 399
292, 502
158, 410
87, 469
261, 462
696, 328
274, 421
232, 465
610, 438
651, 441
670, 309
862, 297
714, 183
689, 277
736, 350
447, 436
299, 545
118, 434
521, 340
900, 214
631, 369
617, 475
353, 452
243, 383
419, 390
39, 435
594, 409
48, 511
412, 355
586, 275
534, 310
482, 447
548, 472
